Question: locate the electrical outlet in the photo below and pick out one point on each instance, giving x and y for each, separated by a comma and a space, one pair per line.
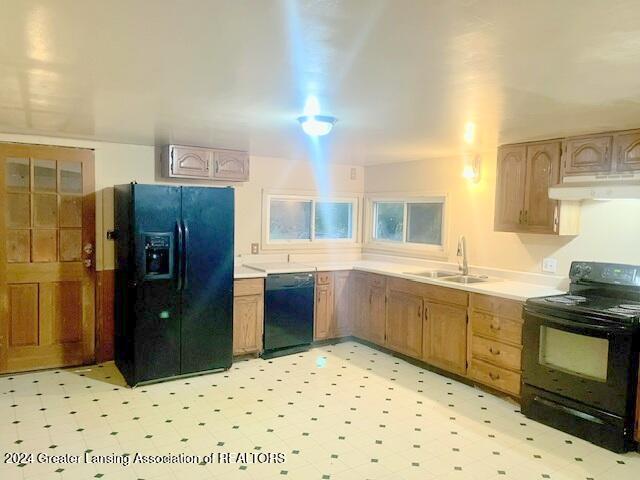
352, 174
549, 265
254, 248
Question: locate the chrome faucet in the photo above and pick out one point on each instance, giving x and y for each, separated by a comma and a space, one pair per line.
462, 252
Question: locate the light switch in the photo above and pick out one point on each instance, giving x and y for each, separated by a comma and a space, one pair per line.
254, 248
549, 265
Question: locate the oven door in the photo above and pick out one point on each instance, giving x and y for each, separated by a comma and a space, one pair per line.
570, 357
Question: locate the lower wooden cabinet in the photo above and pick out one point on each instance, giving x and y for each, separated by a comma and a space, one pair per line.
445, 337
248, 315
324, 319
404, 323
369, 299
495, 335
343, 303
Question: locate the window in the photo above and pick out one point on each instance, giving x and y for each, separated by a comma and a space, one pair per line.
414, 221
308, 219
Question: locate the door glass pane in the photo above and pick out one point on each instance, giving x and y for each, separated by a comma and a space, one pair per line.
17, 210
17, 173
44, 245
290, 220
424, 223
70, 177
70, 245
44, 175
18, 246
389, 221
333, 220
45, 210
575, 354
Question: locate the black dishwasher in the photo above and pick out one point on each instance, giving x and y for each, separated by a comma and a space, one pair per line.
288, 320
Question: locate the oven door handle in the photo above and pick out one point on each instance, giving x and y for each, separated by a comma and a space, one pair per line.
569, 410
603, 330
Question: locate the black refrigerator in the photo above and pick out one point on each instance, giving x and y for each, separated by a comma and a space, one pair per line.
174, 280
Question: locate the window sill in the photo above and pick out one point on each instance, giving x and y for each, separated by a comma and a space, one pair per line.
407, 250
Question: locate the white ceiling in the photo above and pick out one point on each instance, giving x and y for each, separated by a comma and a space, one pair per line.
402, 76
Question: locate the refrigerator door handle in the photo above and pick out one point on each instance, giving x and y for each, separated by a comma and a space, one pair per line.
185, 261
179, 254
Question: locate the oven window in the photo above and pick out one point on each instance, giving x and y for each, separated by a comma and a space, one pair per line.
576, 354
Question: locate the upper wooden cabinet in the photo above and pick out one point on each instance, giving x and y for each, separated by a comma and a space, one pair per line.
588, 154
525, 173
602, 154
511, 185
627, 151
205, 163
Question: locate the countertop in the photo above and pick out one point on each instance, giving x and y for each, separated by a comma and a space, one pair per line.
240, 271
495, 286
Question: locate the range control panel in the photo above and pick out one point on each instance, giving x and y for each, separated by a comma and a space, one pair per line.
612, 273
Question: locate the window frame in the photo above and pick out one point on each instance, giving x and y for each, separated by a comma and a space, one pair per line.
403, 246
303, 244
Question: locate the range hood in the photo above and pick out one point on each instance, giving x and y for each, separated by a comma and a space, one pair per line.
596, 189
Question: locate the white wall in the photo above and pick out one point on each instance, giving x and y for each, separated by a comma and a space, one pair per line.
610, 231
122, 163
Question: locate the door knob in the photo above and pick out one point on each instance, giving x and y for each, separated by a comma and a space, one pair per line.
88, 249
88, 262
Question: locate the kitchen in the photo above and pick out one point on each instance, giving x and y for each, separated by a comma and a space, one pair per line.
402, 348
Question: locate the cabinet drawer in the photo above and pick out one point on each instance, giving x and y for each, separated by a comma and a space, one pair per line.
496, 305
495, 327
495, 377
496, 352
249, 286
323, 278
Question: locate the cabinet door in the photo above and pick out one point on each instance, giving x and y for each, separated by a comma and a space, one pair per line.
510, 191
445, 337
377, 315
344, 303
588, 155
404, 323
248, 311
323, 327
190, 162
627, 152
231, 165
543, 170
360, 292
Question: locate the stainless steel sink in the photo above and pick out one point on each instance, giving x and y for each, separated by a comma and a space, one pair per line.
465, 279
433, 274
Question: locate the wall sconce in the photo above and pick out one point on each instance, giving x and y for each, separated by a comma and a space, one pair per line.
471, 169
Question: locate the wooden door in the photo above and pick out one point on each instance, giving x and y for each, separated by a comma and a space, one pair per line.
445, 337
627, 152
510, 191
323, 326
47, 242
190, 162
587, 155
404, 323
543, 171
344, 303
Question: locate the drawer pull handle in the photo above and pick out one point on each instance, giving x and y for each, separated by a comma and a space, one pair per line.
493, 376
494, 327
494, 352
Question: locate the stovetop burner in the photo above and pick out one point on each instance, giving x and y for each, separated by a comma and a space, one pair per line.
567, 299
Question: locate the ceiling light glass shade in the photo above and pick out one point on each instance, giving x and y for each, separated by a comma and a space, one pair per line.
316, 125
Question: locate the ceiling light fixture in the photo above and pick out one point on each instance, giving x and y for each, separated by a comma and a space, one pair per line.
317, 125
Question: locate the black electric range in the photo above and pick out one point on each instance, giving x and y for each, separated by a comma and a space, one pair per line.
580, 355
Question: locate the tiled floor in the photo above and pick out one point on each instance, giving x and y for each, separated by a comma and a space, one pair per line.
339, 412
